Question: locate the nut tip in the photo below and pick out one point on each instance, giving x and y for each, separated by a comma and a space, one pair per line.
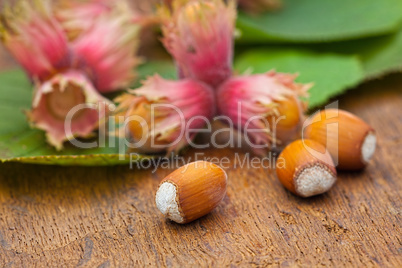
368, 147
314, 180
166, 202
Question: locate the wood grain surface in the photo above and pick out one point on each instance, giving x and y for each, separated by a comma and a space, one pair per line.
106, 217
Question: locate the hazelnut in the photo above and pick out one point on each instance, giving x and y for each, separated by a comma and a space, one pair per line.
305, 168
348, 139
191, 191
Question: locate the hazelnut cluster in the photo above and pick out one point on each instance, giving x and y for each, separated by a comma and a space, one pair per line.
73, 51
332, 139
199, 36
307, 167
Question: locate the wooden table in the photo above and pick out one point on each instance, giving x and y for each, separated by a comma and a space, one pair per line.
106, 216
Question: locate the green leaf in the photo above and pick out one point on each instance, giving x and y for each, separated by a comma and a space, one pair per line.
20, 143
313, 21
331, 74
379, 55
164, 68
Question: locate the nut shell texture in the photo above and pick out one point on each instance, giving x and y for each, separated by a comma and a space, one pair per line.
305, 168
191, 191
350, 141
